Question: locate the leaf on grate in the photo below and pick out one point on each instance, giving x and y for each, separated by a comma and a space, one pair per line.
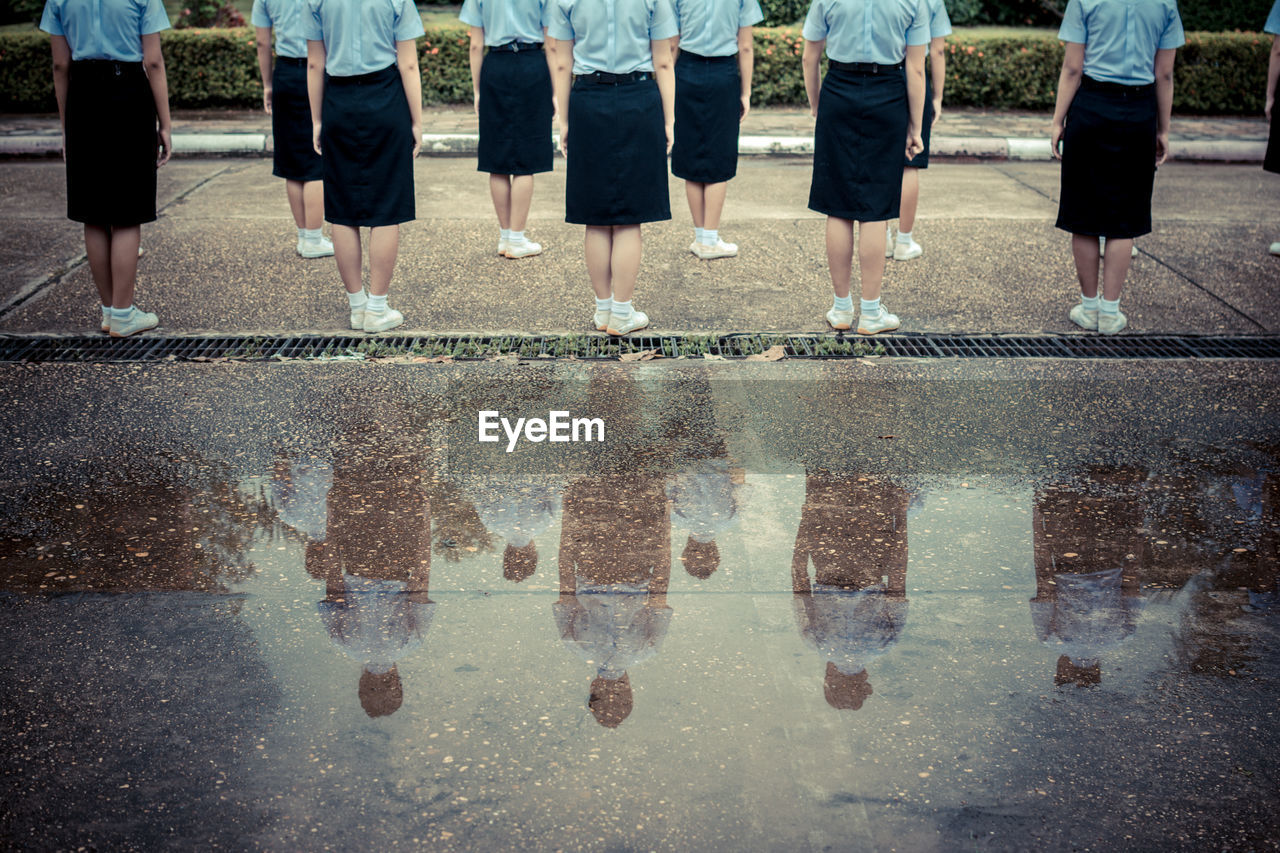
436, 359
773, 353
643, 355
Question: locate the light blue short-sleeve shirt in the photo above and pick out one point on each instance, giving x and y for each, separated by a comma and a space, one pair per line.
1273, 20
287, 18
506, 20
710, 27
360, 35
612, 35
876, 31
1121, 37
104, 29
939, 20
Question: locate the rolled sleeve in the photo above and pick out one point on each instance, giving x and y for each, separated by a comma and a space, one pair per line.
154, 19
259, 17
662, 21
918, 32
1073, 29
312, 26
815, 23
750, 14
472, 15
408, 23
558, 25
1172, 37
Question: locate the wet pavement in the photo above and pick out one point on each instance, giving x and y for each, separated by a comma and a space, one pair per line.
886, 605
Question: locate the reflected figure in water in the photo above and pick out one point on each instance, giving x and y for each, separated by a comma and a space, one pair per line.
1090, 543
376, 565
854, 531
518, 510
615, 566
704, 501
299, 492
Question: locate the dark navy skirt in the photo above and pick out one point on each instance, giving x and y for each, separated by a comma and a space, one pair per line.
367, 140
515, 113
294, 157
616, 172
1272, 161
708, 106
1108, 161
859, 144
111, 144
921, 160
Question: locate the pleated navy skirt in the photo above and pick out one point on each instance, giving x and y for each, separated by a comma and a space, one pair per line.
294, 157
921, 160
111, 144
859, 144
367, 141
1108, 161
1272, 161
616, 172
515, 113
708, 106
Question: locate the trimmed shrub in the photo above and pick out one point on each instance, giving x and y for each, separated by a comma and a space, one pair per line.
21, 11
1223, 73
781, 13
1218, 16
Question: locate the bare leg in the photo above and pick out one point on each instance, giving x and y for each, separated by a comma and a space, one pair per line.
695, 193
521, 200
599, 250
297, 204
346, 249
500, 192
910, 198
124, 264
871, 241
313, 205
840, 254
1084, 248
1115, 267
625, 261
714, 195
384, 246
97, 245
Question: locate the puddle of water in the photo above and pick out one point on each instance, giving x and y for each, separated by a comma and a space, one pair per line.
369, 628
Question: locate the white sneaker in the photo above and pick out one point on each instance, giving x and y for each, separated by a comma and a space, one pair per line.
888, 241
526, 249
721, 249
839, 320
906, 251
137, 321
1083, 317
503, 245
357, 319
883, 322
601, 319
1275, 248
693, 247
321, 248
620, 326
381, 321
1111, 324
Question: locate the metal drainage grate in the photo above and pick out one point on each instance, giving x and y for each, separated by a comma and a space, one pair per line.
91, 349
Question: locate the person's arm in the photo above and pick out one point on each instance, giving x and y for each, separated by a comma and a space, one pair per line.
1164, 101
548, 51
407, 59
153, 62
746, 65
915, 98
476, 55
61, 76
561, 83
315, 87
1068, 85
664, 71
1273, 74
263, 38
938, 72
811, 62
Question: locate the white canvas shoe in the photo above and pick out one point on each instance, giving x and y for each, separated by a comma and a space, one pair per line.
721, 249
840, 320
883, 322
381, 321
1084, 318
1112, 324
137, 321
621, 326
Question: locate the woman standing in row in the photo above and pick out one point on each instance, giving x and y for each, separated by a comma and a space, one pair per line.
511, 88
1111, 131
868, 112
366, 113
713, 96
616, 129
108, 72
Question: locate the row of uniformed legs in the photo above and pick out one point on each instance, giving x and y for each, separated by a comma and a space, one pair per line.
613, 265
706, 203
512, 195
113, 261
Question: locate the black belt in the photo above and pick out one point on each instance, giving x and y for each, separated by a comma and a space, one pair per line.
114, 66
613, 79
697, 57
870, 68
292, 60
359, 79
517, 46
1087, 82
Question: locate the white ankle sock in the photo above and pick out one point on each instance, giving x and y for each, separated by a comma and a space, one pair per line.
106, 313
1090, 303
1109, 306
313, 234
504, 234
869, 307
121, 313
904, 237
842, 303
622, 309
515, 238
697, 234
377, 304
710, 236
358, 300
302, 233
605, 304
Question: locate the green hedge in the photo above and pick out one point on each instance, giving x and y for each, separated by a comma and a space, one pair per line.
1221, 73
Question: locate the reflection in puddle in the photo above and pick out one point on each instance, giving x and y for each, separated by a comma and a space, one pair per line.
685, 623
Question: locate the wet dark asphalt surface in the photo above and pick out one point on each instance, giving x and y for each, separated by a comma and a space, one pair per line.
948, 606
